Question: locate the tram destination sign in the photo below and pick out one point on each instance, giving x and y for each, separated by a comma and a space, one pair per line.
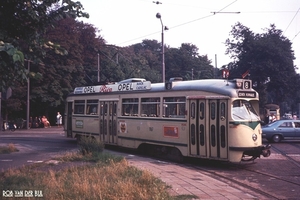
146, 85
247, 94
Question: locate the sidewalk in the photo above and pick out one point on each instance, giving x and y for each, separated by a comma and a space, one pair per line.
35, 130
186, 181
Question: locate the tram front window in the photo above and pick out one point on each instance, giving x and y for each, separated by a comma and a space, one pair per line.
244, 110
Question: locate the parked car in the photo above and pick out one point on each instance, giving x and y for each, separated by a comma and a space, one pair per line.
286, 129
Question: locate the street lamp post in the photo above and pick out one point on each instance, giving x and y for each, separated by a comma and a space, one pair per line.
158, 15
28, 95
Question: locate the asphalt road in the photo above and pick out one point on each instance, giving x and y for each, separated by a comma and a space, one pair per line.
34, 145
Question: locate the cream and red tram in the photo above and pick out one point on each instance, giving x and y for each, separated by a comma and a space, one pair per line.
209, 119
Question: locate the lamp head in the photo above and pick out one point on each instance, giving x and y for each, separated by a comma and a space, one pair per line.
158, 15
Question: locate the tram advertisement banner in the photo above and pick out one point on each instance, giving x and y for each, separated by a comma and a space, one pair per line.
171, 131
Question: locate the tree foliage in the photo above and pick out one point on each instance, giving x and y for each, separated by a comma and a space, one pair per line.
22, 24
269, 59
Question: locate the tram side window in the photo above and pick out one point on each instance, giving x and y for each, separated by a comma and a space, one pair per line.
130, 107
150, 107
92, 107
174, 107
79, 106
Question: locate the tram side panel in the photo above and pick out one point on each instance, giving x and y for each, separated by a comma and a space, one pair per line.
82, 118
164, 132
152, 118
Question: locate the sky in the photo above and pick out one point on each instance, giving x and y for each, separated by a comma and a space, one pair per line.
204, 23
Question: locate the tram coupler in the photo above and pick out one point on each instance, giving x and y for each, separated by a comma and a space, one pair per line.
266, 152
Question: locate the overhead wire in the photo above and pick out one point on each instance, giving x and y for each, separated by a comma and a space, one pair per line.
180, 24
291, 21
295, 35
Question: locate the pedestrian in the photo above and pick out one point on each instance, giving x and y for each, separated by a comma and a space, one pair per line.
272, 118
267, 119
45, 122
58, 119
294, 116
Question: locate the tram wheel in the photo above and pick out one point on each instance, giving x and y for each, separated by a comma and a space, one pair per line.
276, 138
175, 155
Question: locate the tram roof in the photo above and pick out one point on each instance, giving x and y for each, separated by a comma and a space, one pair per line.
218, 86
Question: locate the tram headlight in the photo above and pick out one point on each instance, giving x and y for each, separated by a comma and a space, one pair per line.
254, 137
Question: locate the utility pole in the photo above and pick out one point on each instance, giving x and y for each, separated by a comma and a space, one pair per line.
98, 68
28, 94
1, 123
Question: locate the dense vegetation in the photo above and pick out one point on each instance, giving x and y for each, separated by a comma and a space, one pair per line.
63, 53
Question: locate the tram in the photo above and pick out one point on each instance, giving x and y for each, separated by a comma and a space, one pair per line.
209, 119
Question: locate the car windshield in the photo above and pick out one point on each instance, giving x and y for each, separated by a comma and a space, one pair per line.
243, 110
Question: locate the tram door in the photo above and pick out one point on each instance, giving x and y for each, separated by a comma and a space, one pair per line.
198, 125
217, 130
108, 122
208, 128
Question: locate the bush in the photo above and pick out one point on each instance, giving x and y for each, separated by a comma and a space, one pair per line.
9, 149
89, 145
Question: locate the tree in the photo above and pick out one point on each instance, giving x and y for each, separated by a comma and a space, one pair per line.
62, 72
22, 26
269, 59
187, 63
22, 22
11, 65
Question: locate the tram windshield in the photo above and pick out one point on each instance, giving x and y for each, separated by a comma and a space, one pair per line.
244, 110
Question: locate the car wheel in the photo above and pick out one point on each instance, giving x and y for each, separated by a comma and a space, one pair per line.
276, 138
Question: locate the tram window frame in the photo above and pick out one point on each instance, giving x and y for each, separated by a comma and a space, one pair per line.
213, 111
201, 110
223, 111
92, 107
79, 106
132, 104
176, 104
193, 110
150, 107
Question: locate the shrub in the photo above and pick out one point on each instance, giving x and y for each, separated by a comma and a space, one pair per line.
89, 145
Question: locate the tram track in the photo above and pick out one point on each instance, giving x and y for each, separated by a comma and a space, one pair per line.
287, 155
255, 181
277, 178
237, 183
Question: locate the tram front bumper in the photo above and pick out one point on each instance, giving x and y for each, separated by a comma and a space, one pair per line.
255, 152
263, 150
266, 150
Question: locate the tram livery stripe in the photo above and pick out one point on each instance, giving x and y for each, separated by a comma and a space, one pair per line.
153, 141
252, 125
137, 139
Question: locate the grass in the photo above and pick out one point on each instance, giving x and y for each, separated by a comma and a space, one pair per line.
8, 149
104, 176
